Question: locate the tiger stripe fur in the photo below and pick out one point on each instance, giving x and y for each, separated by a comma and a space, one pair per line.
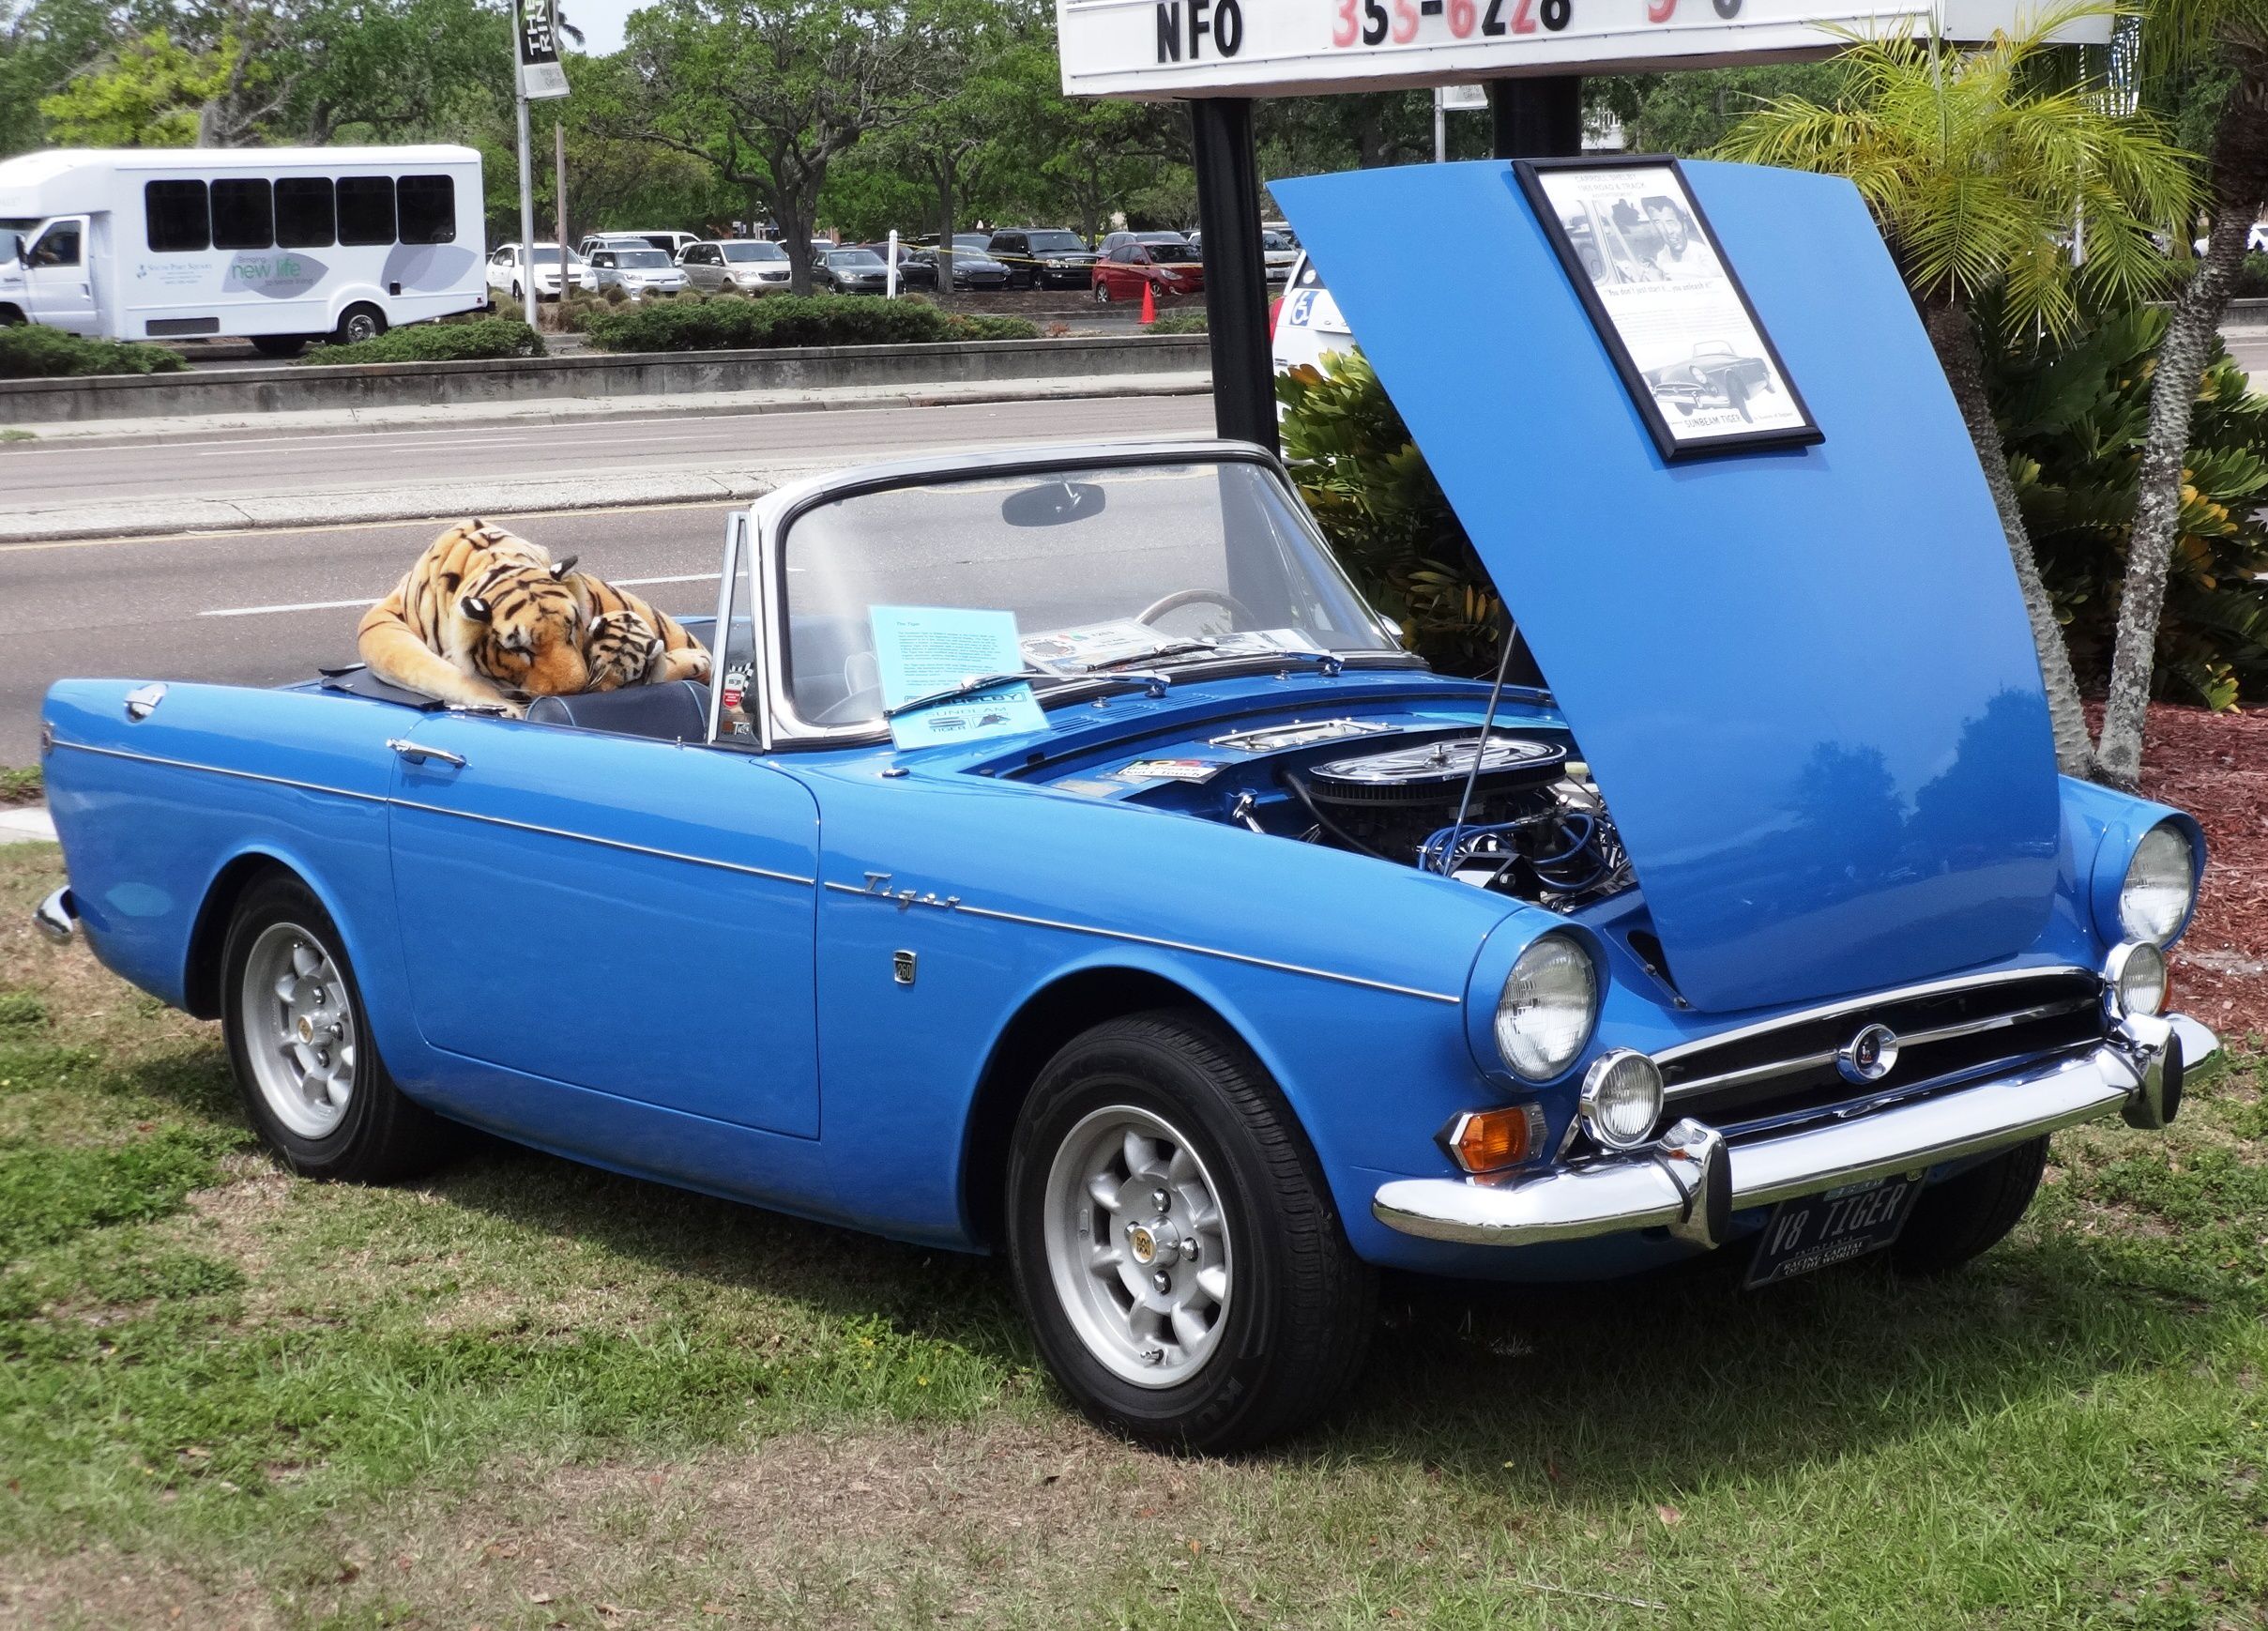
631, 642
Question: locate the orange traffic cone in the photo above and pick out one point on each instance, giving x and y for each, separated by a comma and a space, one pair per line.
1149, 302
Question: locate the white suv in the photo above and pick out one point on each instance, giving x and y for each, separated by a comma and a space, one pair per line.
507, 270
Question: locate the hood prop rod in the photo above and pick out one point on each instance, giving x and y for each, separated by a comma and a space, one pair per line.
1488, 720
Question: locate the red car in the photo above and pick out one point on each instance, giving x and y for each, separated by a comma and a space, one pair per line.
1168, 265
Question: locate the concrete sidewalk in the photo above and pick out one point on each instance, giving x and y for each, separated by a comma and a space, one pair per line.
26, 823
545, 489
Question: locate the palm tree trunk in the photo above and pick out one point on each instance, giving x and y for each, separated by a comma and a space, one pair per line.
1954, 336
2240, 182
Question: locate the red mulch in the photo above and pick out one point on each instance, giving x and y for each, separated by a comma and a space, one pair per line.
2216, 767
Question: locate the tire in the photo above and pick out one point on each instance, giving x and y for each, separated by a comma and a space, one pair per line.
279, 344
516, 293
359, 322
1102, 292
281, 933
1277, 1309
1963, 1217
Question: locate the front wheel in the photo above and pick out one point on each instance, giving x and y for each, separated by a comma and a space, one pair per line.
361, 323
1102, 292
299, 1043
1967, 1215
1173, 1243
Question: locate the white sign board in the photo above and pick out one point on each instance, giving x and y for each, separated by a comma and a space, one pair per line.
1197, 48
541, 74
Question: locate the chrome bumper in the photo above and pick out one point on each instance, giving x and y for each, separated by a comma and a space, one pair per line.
55, 916
1691, 1180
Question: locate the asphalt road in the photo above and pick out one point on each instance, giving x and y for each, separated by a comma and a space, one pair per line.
308, 462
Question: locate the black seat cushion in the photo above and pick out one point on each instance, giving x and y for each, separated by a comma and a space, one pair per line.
677, 711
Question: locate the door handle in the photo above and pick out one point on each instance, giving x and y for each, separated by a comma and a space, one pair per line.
416, 753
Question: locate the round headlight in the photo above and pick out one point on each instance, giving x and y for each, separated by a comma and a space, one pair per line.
1621, 1099
1545, 1014
2136, 973
2161, 881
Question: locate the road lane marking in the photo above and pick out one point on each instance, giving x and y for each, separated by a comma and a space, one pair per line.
367, 600
323, 529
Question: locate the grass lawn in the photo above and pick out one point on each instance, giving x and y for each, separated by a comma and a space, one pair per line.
528, 1394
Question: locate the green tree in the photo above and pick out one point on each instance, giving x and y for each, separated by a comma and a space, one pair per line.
2225, 41
148, 91
43, 47
769, 94
1975, 164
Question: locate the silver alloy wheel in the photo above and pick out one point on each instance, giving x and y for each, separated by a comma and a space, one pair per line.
299, 1030
1138, 1246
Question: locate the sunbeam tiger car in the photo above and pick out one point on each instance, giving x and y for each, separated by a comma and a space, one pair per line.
1068, 861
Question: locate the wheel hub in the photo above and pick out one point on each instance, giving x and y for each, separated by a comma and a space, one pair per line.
1155, 1244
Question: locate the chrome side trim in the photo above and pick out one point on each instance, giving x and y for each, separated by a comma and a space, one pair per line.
954, 903
56, 916
1642, 1190
1861, 1003
607, 843
221, 770
1796, 1065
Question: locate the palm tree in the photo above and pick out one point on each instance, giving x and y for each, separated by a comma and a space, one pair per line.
1977, 165
2181, 36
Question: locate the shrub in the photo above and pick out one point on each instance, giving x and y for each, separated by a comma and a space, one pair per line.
2075, 416
1180, 323
439, 343
32, 351
694, 324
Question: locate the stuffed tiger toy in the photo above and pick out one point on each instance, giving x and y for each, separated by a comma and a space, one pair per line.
485, 617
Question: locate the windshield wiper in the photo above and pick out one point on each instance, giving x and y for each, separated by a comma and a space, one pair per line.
975, 687
1133, 659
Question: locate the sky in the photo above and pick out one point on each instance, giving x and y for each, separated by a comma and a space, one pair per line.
601, 21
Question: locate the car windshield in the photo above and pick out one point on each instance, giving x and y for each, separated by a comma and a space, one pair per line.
753, 251
972, 240
857, 260
548, 256
1131, 565
1164, 240
1055, 243
648, 258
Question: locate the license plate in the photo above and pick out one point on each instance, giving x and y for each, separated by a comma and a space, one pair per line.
1817, 1231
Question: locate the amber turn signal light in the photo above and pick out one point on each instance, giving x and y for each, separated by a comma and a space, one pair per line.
1489, 1140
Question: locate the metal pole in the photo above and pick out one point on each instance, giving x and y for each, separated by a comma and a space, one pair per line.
558, 135
528, 192
889, 275
1536, 118
1441, 129
1236, 276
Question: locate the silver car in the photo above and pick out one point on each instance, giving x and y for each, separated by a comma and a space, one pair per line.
634, 271
749, 264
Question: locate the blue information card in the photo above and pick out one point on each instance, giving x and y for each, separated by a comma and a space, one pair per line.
924, 650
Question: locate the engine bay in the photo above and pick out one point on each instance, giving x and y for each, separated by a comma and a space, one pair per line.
1516, 813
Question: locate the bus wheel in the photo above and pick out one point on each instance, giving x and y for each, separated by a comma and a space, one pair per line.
10, 316
361, 323
279, 344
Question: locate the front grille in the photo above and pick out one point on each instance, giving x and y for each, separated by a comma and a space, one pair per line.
1789, 1068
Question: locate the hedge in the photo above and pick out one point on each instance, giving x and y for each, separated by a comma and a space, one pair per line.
32, 351
472, 342
736, 323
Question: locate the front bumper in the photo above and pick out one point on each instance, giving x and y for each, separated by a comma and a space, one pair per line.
1692, 1180
56, 916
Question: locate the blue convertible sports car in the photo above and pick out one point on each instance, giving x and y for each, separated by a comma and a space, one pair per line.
1211, 953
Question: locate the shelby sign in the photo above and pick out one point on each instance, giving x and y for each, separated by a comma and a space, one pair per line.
1197, 48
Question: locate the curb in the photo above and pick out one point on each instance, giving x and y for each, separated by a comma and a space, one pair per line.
26, 824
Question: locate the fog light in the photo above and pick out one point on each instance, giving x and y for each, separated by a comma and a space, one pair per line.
1488, 1140
1621, 1099
2136, 975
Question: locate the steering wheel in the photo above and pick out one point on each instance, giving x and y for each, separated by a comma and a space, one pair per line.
860, 707
1236, 609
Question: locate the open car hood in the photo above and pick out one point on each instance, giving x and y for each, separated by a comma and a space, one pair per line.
1802, 678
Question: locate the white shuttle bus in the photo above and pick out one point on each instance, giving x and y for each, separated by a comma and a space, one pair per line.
279, 245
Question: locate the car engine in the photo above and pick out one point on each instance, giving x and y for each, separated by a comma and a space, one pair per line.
1532, 826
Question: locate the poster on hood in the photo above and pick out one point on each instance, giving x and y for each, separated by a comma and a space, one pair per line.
1669, 307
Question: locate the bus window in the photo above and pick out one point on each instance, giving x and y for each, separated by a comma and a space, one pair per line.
366, 209
173, 212
428, 208
243, 215
305, 218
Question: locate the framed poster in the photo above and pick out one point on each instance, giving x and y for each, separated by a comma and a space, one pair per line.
1668, 304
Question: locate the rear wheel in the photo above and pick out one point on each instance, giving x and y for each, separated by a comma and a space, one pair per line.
299, 1043
1963, 1217
1174, 1246
361, 323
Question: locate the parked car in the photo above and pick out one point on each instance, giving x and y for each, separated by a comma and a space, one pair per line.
851, 271
638, 272
973, 267
507, 270
739, 263
1167, 269
1178, 242
1041, 257
1278, 253
1715, 375
669, 243
1068, 861
1303, 322
917, 268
